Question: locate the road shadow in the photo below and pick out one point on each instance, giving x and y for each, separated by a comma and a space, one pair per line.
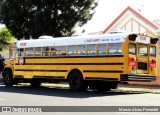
62, 91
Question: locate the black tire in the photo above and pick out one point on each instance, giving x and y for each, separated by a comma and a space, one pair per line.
35, 83
76, 82
100, 86
114, 85
8, 78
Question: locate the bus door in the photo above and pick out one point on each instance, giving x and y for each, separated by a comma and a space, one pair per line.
142, 59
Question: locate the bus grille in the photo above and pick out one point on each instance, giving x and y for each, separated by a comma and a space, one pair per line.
142, 65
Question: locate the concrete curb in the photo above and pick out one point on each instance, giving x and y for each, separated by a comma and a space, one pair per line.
140, 86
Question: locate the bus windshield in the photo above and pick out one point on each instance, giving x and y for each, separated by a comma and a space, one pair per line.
142, 50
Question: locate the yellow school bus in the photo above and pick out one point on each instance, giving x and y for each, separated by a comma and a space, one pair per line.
98, 62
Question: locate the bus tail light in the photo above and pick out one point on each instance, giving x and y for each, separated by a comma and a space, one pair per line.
152, 63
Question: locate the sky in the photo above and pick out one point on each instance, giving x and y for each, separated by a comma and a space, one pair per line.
108, 10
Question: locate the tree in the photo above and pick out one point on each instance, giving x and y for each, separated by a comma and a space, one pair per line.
6, 39
34, 18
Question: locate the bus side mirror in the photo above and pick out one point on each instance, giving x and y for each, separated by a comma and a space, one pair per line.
154, 40
132, 37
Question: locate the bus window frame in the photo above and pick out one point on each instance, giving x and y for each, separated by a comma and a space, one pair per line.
135, 49
154, 52
32, 52
139, 50
117, 50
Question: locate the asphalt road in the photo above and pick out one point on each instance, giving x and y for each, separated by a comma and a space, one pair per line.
62, 96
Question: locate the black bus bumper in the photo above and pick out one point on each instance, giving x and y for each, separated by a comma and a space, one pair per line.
139, 78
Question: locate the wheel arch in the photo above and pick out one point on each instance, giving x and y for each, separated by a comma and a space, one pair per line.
6, 69
74, 70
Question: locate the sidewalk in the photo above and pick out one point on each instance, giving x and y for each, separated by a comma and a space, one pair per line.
140, 88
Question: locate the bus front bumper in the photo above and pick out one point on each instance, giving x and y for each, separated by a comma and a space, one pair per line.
139, 78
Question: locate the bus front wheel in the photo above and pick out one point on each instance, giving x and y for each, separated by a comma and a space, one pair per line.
8, 78
76, 82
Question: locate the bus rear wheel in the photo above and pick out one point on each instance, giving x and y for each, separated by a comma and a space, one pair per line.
76, 82
35, 83
100, 86
8, 78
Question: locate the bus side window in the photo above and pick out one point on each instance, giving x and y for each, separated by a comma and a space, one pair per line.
45, 51
54, 51
62, 50
20, 52
101, 49
29, 52
114, 48
72, 50
38, 51
81, 50
91, 49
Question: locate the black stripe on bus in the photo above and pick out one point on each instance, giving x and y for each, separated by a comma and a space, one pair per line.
77, 56
18, 76
97, 78
38, 70
103, 71
40, 77
72, 64
48, 77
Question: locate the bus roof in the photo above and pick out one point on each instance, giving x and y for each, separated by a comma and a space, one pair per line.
76, 40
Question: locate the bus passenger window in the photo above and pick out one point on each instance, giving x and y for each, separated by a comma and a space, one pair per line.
62, 50
71, 50
29, 52
38, 51
54, 51
132, 48
91, 49
114, 48
101, 49
81, 50
153, 51
45, 51
20, 52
